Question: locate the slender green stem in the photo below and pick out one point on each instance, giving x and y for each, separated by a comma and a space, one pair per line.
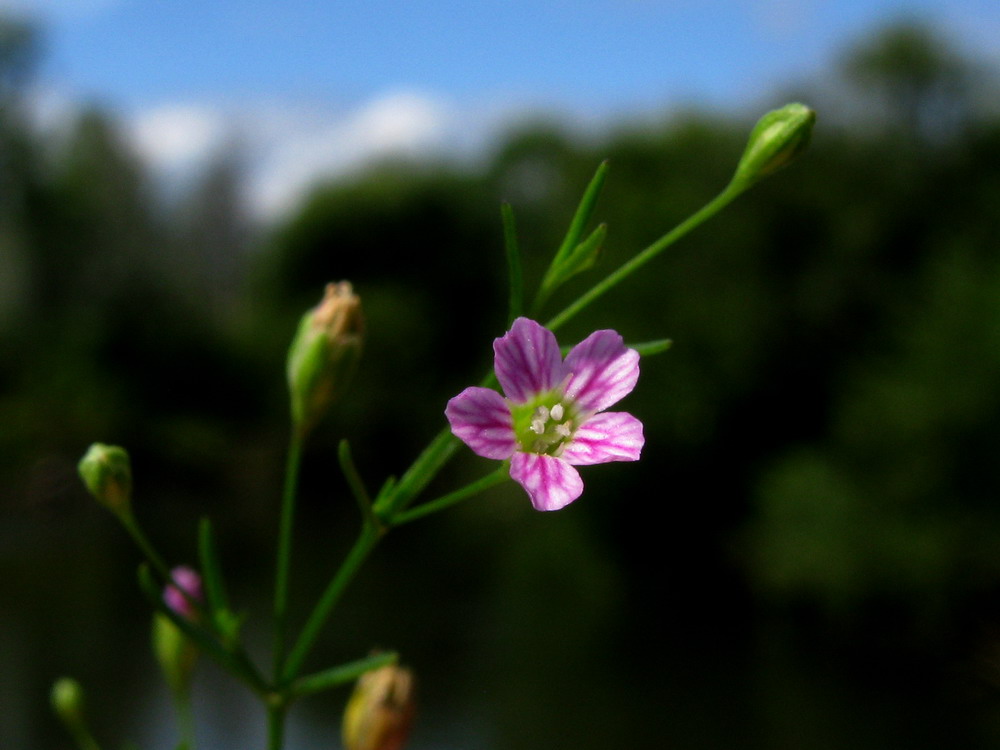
420, 473
284, 555
143, 543
185, 718
354, 481
276, 710
362, 547
341, 675
699, 217
445, 501
215, 594
85, 740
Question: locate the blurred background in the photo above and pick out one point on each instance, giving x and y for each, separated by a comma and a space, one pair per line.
808, 554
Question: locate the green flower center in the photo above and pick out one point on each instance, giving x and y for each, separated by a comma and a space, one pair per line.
545, 424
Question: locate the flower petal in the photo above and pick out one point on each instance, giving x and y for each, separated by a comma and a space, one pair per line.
481, 419
603, 369
550, 482
527, 360
610, 436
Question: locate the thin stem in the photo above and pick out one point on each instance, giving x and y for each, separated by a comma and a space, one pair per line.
445, 501
354, 481
706, 212
420, 473
276, 711
128, 521
362, 547
341, 675
284, 555
215, 594
83, 738
185, 718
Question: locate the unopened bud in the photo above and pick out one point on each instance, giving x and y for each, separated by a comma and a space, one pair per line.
185, 591
67, 702
107, 473
324, 353
380, 712
175, 652
776, 141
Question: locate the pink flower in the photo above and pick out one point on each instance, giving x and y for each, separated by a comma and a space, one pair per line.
553, 417
188, 580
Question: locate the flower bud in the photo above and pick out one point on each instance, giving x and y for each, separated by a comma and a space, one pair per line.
175, 652
324, 353
380, 712
173, 649
181, 597
107, 473
776, 140
67, 702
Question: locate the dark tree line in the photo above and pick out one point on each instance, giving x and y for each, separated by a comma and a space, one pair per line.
822, 490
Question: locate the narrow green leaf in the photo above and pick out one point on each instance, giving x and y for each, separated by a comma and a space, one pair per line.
649, 348
583, 257
584, 254
341, 675
354, 480
583, 213
387, 486
515, 274
211, 572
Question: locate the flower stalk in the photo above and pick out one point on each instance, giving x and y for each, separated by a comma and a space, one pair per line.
283, 560
549, 416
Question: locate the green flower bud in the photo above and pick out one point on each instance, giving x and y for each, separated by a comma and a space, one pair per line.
107, 473
67, 702
175, 652
380, 712
324, 353
776, 141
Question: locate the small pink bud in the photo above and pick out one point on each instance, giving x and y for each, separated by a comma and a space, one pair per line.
188, 587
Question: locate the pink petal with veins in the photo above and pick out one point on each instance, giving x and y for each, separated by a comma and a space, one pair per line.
603, 369
481, 419
609, 436
527, 360
550, 482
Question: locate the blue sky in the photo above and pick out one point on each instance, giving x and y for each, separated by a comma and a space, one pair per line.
319, 87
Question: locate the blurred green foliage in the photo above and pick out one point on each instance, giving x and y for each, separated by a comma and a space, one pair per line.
807, 556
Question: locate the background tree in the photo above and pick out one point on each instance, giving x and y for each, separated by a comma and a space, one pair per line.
817, 512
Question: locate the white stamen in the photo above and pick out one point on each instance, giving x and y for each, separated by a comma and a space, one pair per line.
557, 412
563, 429
538, 420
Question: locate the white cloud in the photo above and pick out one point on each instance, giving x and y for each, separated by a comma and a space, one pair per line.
288, 148
177, 137
295, 148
